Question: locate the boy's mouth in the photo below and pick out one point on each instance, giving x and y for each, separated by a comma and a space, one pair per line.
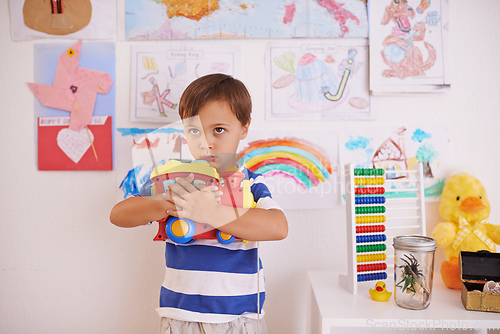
208, 158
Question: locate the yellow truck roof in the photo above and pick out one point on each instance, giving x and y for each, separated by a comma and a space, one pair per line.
175, 166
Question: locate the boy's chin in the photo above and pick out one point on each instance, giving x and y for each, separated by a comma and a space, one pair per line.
219, 163
211, 162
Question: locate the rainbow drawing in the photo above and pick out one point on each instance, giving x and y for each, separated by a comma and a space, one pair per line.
290, 157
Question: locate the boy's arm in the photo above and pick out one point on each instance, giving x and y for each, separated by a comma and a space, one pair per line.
254, 224
136, 211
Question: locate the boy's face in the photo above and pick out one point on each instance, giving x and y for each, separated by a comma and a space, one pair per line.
214, 134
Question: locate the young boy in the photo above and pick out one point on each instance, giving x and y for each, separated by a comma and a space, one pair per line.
210, 287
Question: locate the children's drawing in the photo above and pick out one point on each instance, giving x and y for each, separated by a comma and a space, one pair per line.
79, 85
399, 149
318, 81
289, 156
400, 54
87, 19
161, 73
298, 171
161, 19
60, 148
408, 44
139, 150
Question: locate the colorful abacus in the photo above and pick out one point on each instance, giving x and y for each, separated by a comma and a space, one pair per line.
379, 206
365, 202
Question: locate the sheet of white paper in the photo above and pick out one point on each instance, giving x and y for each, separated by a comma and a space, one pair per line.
399, 148
136, 157
287, 185
317, 80
161, 72
409, 46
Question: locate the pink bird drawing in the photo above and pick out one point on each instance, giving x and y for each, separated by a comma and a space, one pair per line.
74, 88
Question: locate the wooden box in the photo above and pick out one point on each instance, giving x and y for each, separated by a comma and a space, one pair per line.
477, 268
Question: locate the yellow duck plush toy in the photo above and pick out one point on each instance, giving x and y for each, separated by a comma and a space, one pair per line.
465, 208
380, 294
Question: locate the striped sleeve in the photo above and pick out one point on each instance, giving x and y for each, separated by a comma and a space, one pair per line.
261, 192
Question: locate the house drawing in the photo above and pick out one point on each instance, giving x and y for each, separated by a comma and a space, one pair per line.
391, 155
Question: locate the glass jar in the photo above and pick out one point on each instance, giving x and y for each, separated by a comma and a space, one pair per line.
413, 271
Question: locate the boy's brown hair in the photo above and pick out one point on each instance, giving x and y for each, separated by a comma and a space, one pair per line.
216, 87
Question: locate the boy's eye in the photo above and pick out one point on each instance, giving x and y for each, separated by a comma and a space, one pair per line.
194, 131
219, 130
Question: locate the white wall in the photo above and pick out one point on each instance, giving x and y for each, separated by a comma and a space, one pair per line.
65, 269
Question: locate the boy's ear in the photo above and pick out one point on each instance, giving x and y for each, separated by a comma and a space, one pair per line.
245, 131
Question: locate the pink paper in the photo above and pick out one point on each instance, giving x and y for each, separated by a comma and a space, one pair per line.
74, 88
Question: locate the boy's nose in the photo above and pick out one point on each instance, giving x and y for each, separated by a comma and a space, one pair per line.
206, 143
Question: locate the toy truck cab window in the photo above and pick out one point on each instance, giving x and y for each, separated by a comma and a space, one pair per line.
166, 182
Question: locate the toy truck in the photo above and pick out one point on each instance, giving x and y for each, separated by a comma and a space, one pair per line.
236, 193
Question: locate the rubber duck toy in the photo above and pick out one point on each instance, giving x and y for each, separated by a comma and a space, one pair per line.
380, 294
465, 209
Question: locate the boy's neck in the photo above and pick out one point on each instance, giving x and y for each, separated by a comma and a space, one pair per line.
231, 167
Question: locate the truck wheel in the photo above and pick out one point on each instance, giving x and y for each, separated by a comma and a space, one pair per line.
180, 230
224, 238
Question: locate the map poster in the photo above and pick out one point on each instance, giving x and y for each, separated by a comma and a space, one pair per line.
188, 19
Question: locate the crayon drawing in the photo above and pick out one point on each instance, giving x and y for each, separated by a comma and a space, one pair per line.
318, 80
139, 150
160, 73
298, 170
161, 19
398, 148
408, 46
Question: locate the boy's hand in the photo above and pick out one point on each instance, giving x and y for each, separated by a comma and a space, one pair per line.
196, 202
